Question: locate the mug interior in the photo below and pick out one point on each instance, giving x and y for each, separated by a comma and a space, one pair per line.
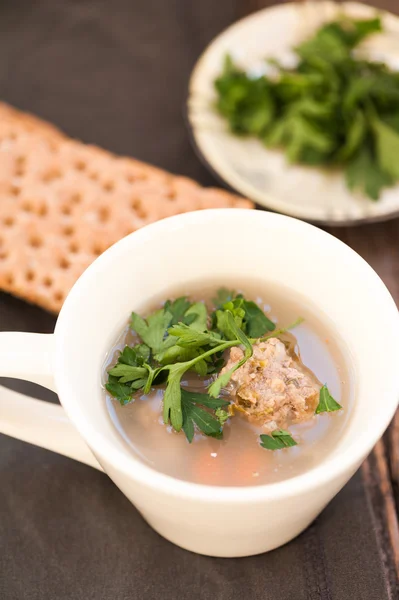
222, 245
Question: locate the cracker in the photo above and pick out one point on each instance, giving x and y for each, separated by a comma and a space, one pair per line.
62, 203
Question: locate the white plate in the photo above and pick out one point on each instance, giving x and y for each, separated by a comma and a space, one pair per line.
245, 164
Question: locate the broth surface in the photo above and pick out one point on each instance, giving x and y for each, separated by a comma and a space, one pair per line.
238, 459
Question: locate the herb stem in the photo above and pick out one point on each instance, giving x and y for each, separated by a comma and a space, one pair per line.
185, 366
220, 348
152, 373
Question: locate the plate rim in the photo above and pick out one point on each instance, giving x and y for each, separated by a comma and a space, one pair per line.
269, 201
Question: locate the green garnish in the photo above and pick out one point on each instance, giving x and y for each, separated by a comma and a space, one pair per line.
277, 440
131, 368
136, 356
123, 393
172, 409
255, 321
247, 314
193, 413
326, 402
223, 295
222, 415
177, 309
152, 331
126, 373
181, 337
334, 108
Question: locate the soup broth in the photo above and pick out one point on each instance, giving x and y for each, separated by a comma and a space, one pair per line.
238, 459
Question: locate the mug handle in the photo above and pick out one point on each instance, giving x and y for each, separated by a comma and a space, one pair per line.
29, 356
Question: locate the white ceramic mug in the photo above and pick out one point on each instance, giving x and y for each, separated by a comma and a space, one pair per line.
217, 244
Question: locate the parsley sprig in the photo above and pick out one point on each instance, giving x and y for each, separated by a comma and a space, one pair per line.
181, 337
193, 413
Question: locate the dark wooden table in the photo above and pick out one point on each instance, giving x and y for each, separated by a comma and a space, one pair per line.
54, 513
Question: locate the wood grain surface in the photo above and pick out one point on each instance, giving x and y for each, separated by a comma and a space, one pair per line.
378, 244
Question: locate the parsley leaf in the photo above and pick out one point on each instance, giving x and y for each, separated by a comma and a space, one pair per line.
193, 413
177, 354
361, 29
135, 356
128, 373
326, 402
201, 368
355, 136
141, 383
143, 353
277, 440
248, 316
197, 316
363, 174
130, 368
222, 415
128, 356
387, 146
246, 102
190, 337
204, 399
172, 409
298, 134
152, 331
326, 45
257, 323
334, 40
177, 309
188, 423
223, 295
223, 323
203, 419
123, 393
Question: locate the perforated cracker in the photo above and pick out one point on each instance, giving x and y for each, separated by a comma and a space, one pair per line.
62, 203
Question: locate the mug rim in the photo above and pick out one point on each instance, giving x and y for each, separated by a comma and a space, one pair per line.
133, 468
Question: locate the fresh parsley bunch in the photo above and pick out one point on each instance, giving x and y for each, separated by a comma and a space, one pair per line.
334, 108
182, 337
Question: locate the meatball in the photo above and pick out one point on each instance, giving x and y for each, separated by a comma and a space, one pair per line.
273, 387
